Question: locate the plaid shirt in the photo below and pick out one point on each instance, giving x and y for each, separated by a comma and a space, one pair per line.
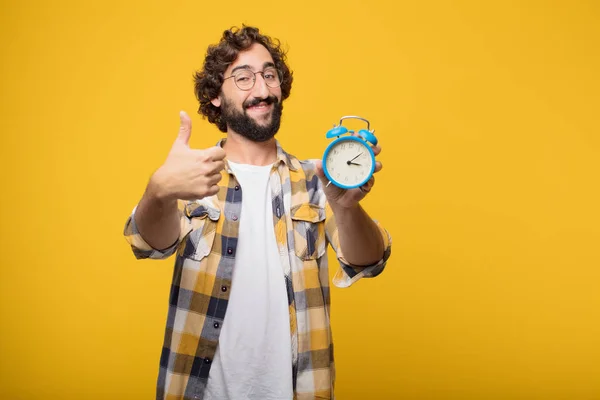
206, 250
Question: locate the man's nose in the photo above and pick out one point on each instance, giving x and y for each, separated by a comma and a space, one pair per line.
260, 90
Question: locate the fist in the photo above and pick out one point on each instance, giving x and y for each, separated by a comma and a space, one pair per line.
188, 174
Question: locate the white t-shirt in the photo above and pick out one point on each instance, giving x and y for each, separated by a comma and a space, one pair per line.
254, 357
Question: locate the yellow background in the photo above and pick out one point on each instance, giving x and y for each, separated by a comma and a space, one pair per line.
487, 113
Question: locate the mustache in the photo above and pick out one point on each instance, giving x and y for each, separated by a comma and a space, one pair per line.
256, 101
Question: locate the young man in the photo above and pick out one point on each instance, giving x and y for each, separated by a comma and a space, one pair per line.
249, 223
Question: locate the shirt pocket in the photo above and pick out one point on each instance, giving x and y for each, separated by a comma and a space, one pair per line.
308, 222
203, 219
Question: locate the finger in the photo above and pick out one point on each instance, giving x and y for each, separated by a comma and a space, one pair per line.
214, 189
216, 167
378, 166
376, 149
320, 173
319, 168
214, 179
215, 153
366, 188
185, 128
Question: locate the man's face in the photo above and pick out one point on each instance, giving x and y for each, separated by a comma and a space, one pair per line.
254, 113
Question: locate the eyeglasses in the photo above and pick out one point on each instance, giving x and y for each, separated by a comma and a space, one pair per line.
244, 79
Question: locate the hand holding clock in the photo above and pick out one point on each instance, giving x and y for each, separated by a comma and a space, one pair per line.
348, 166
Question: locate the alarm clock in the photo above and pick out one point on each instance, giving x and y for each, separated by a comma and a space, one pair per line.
349, 161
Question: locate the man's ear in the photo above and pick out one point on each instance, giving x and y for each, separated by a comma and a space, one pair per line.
216, 102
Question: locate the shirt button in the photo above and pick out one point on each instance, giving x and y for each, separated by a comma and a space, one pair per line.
223, 288
237, 187
216, 325
234, 218
229, 250
207, 360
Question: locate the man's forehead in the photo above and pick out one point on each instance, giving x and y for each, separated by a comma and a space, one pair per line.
256, 57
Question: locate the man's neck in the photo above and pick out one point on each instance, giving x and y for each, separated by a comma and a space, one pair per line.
242, 150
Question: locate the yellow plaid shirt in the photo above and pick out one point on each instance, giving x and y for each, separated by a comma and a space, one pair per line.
205, 254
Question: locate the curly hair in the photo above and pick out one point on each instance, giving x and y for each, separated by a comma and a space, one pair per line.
208, 81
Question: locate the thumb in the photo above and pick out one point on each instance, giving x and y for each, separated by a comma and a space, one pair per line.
319, 170
185, 128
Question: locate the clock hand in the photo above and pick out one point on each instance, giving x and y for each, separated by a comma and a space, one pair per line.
356, 157
351, 163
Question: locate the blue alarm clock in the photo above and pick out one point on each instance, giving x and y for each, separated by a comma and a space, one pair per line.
349, 161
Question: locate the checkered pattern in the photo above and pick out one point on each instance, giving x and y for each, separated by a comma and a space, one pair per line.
205, 254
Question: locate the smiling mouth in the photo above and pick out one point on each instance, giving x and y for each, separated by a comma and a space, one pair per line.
262, 104
260, 107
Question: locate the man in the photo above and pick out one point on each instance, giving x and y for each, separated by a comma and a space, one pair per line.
249, 223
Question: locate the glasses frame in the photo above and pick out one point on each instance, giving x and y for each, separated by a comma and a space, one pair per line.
279, 73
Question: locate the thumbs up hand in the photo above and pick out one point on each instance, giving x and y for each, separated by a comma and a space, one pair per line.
188, 174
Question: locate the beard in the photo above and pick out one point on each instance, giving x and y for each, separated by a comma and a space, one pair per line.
243, 124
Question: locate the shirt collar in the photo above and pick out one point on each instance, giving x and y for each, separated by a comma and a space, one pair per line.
282, 157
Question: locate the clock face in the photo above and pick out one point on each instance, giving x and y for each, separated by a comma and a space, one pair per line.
349, 163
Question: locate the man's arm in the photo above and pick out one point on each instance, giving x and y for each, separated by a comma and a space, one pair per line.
359, 237
187, 174
361, 241
157, 219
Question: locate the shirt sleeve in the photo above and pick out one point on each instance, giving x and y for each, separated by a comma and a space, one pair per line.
347, 274
141, 249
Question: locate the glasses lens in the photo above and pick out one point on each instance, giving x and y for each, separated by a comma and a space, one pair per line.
272, 77
244, 79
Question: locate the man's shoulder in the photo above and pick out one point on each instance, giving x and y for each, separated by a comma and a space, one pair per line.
307, 164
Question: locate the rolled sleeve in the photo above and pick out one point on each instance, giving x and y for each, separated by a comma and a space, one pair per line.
141, 249
347, 274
